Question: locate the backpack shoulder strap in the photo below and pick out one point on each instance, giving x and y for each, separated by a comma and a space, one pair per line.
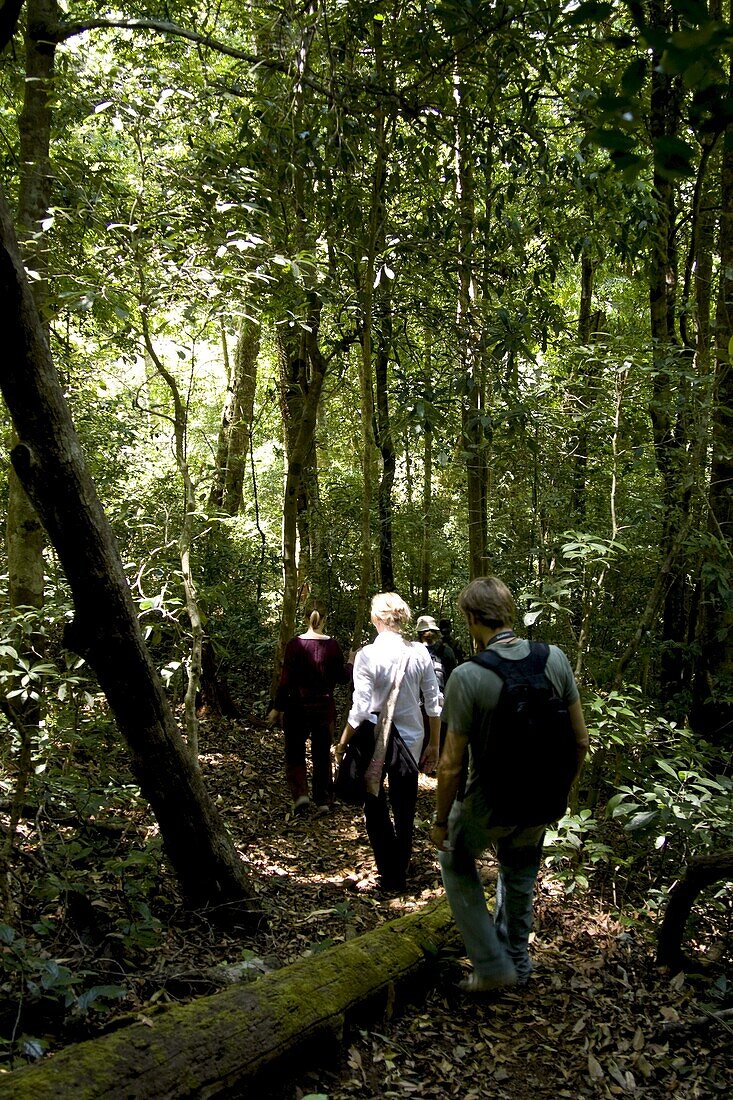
531, 665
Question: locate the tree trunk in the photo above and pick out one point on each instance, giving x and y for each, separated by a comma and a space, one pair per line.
186, 534
300, 448
49, 461
234, 1041
587, 326
24, 534
713, 714
701, 872
427, 491
236, 422
669, 407
385, 442
471, 381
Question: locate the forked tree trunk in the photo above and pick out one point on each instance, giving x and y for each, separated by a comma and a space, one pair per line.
233, 1042
50, 463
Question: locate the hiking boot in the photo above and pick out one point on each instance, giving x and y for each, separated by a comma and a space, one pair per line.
301, 804
477, 984
323, 810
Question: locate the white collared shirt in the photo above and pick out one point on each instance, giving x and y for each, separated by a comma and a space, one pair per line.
375, 667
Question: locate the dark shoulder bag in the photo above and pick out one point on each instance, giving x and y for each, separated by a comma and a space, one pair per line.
350, 783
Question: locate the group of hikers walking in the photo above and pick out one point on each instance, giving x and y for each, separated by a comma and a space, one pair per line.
504, 730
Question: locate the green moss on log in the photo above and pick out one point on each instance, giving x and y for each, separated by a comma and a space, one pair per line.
240, 1034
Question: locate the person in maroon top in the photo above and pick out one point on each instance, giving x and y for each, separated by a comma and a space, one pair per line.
312, 666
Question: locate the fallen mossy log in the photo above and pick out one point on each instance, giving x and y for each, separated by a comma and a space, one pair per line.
246, 1034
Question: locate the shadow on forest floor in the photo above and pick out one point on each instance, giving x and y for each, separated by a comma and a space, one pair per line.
597, 1020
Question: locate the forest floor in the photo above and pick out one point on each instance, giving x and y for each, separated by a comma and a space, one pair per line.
597, 1019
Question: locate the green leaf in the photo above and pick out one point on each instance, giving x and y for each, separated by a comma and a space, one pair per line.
611, 138
668, 769
100, 992
673, 157
592, 11
640, 821
633, 77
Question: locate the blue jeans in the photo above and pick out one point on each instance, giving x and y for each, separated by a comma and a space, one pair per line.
498, 946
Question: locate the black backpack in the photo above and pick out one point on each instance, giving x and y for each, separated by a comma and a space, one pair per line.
529, 756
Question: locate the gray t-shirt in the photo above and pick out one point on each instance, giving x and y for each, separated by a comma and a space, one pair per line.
472, 693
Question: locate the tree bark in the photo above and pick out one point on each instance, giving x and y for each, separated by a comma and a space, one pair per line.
385, 440
713, 713
49, 461
471, 381
669, 406
300, 449
236, 422
235, 1040
25, 536
427, 488
701, 872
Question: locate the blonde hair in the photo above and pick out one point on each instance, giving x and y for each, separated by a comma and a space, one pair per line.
391, 610
315, 614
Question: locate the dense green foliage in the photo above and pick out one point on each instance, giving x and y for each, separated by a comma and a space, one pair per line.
475, 194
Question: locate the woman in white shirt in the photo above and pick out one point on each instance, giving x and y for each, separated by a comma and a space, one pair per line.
375, 669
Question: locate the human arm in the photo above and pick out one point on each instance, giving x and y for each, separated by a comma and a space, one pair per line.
429, 759
363, 676
450, 767
579, 728
340, 747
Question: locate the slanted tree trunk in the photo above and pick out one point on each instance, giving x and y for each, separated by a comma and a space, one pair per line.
235, 1040
50, 463
701, 872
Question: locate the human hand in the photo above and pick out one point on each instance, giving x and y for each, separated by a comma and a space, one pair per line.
273, 717
429, 760
439, 836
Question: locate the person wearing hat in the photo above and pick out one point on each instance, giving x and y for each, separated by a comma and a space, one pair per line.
443, 658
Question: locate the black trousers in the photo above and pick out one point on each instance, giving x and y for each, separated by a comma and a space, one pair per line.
390, 815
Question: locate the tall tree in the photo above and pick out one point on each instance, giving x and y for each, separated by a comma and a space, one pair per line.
232, 453
49, 461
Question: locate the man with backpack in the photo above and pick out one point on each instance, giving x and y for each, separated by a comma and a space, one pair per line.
514, 712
